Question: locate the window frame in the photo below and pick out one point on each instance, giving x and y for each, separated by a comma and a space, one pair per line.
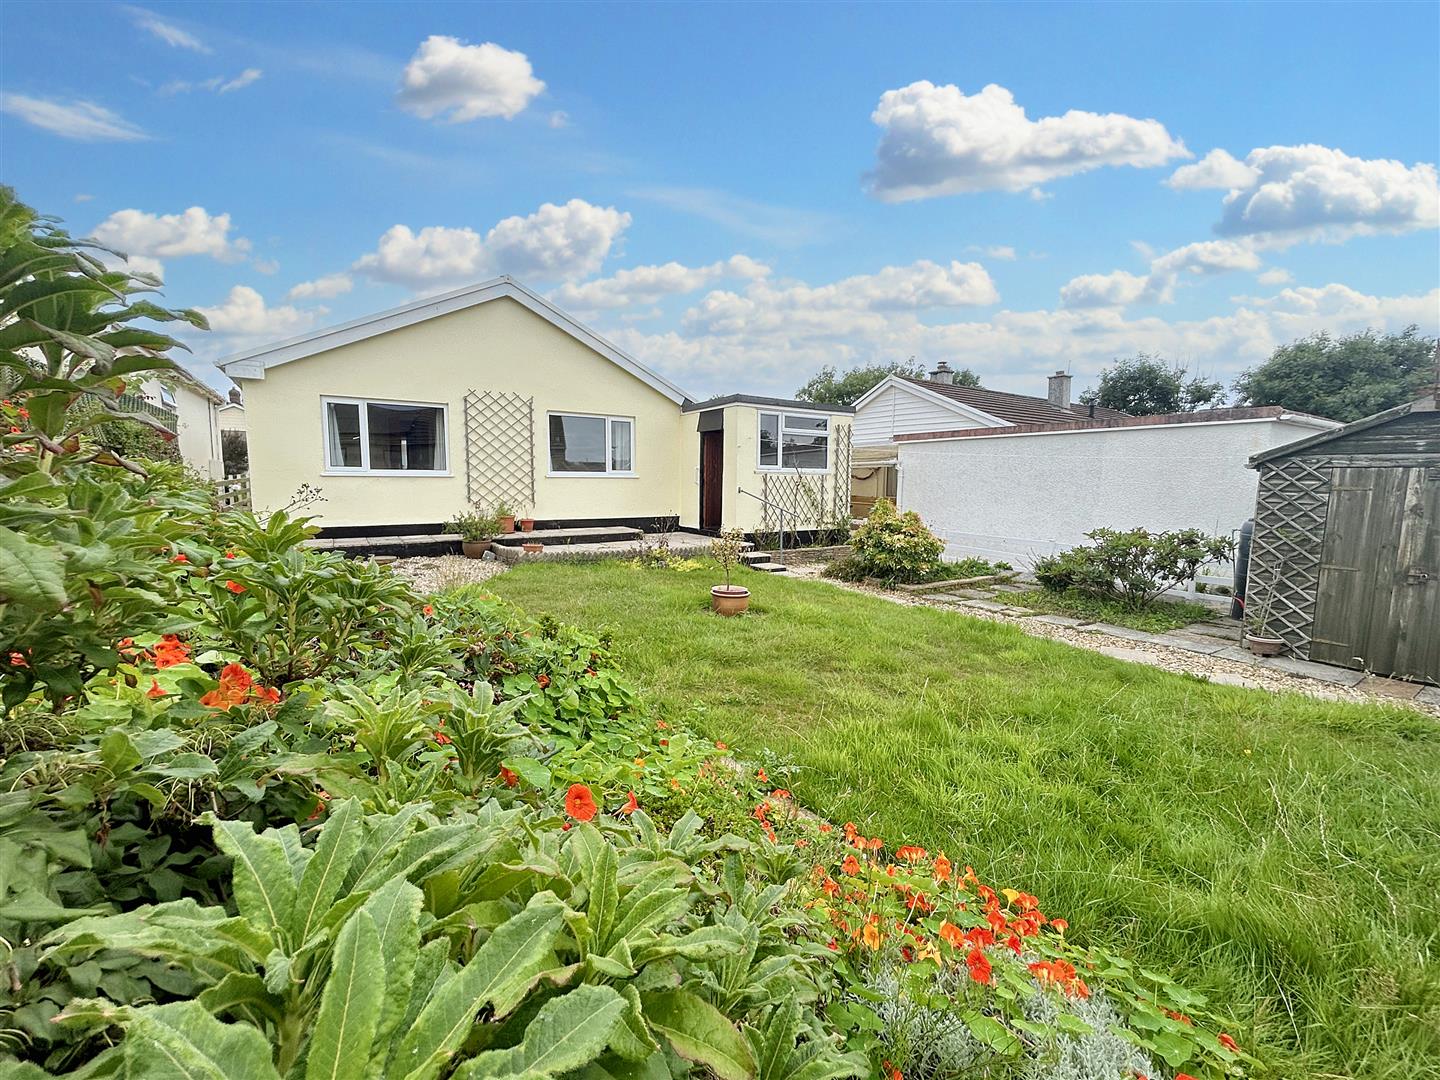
782, 431
330, 469
551, 471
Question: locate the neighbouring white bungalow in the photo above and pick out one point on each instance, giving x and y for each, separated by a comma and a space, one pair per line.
490, 393
1009, 477
192, 410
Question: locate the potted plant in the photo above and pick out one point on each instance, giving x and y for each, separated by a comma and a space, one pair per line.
728, 599
527, 524
506, 516
1258, 638
477, 529
531, 547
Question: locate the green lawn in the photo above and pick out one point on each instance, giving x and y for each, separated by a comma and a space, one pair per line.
1278, 852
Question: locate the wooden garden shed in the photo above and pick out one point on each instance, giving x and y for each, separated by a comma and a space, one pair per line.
1345, 559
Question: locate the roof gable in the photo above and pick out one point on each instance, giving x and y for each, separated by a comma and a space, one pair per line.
1427, 404
917, 389
1013, 408
253, 363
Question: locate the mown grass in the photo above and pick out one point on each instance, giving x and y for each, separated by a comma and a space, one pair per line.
1160, 616
1281, 854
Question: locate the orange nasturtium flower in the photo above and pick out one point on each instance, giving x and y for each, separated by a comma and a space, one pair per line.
171, 651
235, 587
911, 854
508, 777
871, 936
542, 680
951, 934
942, 868
979, 966
1227, 1042
1059, 925
850, 866
631, 804
580, 803
155, 690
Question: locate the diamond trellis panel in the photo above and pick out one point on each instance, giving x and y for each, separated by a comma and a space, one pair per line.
500, 449
809, 501
1285, 550
840, 493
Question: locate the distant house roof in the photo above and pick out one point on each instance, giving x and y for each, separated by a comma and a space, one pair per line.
1016, 408
779, 403
1205, 416
253, 363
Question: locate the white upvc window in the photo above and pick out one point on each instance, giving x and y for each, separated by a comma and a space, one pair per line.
791, 441
167, 396
582, 444
368, 436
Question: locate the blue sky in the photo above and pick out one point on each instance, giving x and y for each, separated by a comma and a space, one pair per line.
740, 194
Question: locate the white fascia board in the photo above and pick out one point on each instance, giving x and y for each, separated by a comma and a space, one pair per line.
252, 364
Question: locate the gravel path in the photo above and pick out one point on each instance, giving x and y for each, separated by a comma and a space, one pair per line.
435, 573
1216, 669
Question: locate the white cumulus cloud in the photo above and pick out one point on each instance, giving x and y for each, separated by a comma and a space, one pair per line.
1217, 169
456, 82
1121, 287
84, 121
322, 288
937, 140
195, 231
245, 314
1282, 195
555, 243
649, 284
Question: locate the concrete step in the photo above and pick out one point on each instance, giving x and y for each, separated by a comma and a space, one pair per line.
598, 534
768, 567
404, 547
753, 557
684, 544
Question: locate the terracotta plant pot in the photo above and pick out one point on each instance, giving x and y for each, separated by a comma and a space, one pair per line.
1264, 646
507, 523
729, 599
475, 549
527, 524
531, 548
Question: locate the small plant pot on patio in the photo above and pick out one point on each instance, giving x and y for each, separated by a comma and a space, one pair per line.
507, 523
532, 548
729, 599
527, 524
1262, 645
475, 549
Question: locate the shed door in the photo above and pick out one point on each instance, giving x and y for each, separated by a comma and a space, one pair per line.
712, 482
1378, 607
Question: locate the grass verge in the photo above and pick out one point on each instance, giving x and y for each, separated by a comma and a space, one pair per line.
1277, 852
1156, 619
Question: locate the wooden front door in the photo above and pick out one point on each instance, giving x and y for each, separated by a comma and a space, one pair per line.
712, 478
1378, 607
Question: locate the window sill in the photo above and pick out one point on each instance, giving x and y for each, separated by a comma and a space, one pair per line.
592, 475
383, 472
802, 472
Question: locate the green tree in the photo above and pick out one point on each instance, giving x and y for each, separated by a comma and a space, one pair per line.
830, 388
1343, 378
1145, 385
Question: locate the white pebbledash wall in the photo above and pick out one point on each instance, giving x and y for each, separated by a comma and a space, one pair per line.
1018, 497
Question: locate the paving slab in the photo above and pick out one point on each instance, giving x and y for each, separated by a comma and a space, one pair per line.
943, 598
1057, 620
1308, 669
1013, 588
986, 605
1229, 678
1430, 695
1398, 689
1229, 632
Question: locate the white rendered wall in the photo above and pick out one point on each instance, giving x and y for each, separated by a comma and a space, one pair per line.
1017, 497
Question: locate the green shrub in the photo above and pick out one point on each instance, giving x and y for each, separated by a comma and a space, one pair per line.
1134, 566
894, 547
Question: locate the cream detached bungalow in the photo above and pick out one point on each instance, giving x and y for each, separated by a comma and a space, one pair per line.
490, 393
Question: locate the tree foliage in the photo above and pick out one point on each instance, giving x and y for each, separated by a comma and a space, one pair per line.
1145, 385
830, 388
1343, 378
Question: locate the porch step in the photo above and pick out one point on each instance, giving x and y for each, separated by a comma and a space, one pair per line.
683, 544
600, 534
768, 567
750, 558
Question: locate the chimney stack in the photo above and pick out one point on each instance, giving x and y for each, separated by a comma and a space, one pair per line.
942, 374
1060, 390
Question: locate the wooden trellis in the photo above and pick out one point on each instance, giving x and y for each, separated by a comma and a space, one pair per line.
809, 501
500, 449
1285, 551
